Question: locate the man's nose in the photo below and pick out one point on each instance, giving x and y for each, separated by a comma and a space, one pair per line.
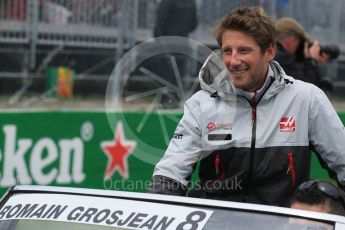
234, 59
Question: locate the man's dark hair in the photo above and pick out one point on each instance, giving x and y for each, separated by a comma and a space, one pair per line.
251, 21
312, 195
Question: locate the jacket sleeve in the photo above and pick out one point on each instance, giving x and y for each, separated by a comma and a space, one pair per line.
181, 156
327, 135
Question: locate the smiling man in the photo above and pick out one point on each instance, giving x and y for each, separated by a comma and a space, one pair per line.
243, 56
251, 127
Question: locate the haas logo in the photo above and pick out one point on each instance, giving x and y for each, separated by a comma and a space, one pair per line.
211, 126
287, 124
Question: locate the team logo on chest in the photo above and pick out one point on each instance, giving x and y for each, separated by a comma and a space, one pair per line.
211, 126
287, 124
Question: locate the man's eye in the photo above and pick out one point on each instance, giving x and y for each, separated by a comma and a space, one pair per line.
245, 50
226, 51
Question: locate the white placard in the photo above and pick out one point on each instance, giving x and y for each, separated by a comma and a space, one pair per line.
104, 211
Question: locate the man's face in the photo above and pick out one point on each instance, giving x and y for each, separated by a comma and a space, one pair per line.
243, 58
291, 44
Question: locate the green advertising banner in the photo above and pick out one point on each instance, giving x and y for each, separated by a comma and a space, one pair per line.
80, 149
84, 149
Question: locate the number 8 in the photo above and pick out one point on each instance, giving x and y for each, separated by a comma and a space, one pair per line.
189, 220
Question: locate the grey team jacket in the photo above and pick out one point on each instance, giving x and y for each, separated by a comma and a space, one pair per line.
251, 151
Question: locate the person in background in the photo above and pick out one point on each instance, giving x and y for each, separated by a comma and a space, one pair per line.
174, 18
298, 56
319, 196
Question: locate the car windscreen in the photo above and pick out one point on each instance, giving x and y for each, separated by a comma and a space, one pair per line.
247, 220
66, 211
24, 224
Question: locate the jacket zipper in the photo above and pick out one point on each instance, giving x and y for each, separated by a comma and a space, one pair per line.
291, 169
217, 163
253, 104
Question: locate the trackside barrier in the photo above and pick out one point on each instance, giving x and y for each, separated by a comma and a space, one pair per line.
79, 149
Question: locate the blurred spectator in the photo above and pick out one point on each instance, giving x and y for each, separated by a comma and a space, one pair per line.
107, 12
55, 13
16, 9
175, 18
101, 12
319, 196
298, 56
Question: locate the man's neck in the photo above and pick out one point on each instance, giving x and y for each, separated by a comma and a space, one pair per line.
260, 90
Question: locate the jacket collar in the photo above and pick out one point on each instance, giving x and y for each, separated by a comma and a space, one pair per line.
214, 77
258, 93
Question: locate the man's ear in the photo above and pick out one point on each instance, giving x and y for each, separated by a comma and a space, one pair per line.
270, 53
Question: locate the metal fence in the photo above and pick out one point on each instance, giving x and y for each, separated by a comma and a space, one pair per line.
91, 35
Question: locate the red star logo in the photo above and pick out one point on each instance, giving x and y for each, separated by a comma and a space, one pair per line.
117, 152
